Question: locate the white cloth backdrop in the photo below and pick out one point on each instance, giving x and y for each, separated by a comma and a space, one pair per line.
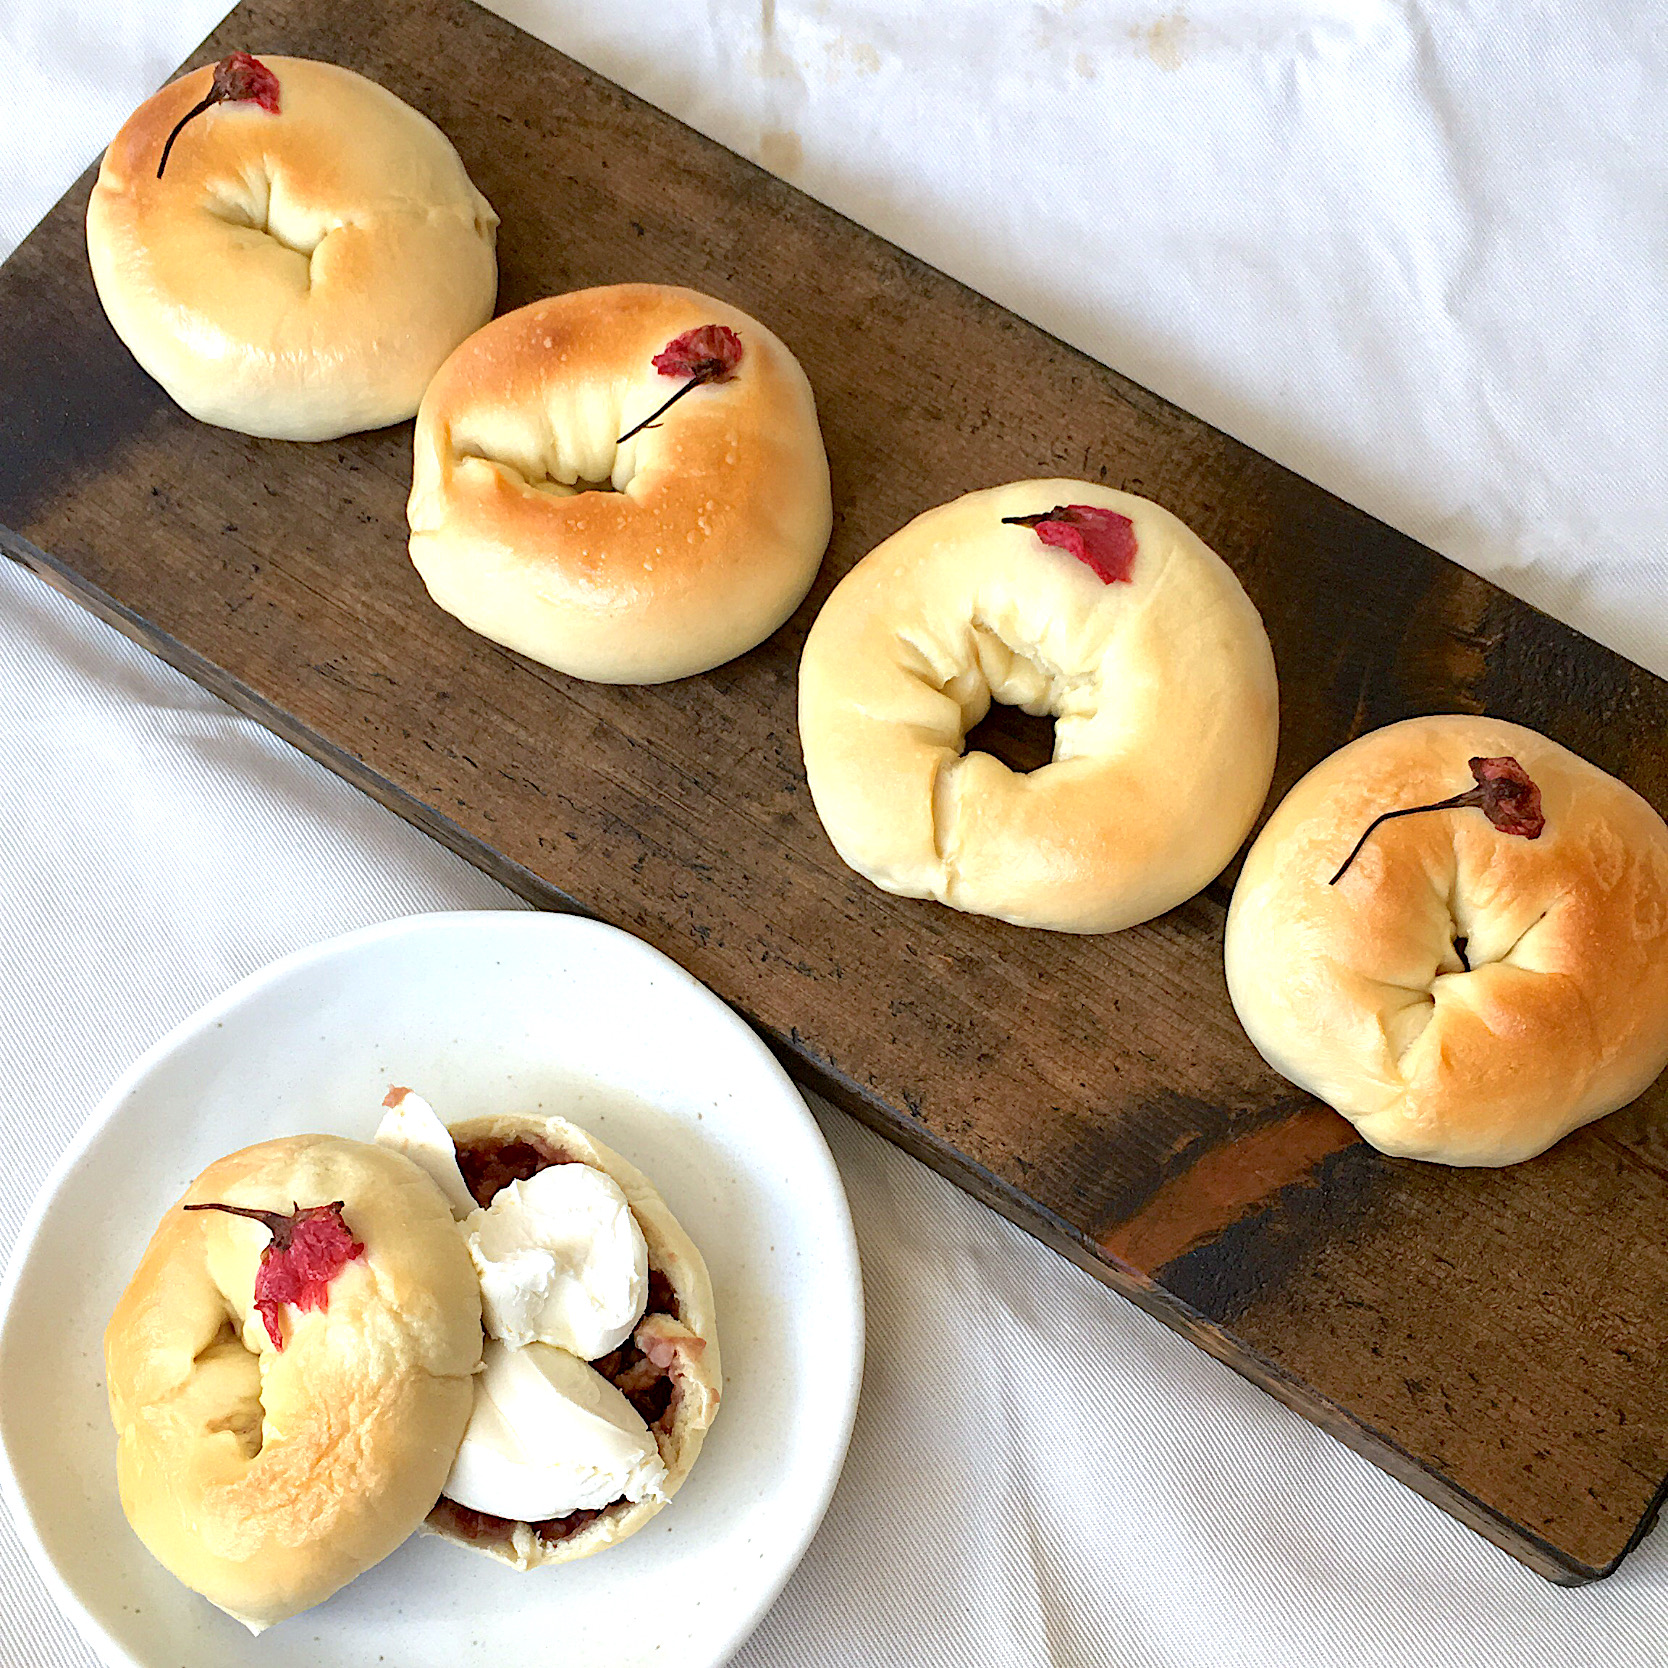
1416, 250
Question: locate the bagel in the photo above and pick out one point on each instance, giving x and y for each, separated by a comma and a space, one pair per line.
633, 562
1463, 993
685, 1335
1159, 678
265, 1478
299, 274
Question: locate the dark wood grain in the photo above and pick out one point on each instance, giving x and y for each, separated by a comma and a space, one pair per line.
1495, 1339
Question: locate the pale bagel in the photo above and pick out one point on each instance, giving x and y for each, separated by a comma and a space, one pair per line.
266, 1478
622, 563
1162, 686
297, 275
690, 1340
1359, 991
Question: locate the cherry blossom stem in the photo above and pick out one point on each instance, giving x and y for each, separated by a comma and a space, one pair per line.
275, 1222
695, 381
207, 102
1471, 797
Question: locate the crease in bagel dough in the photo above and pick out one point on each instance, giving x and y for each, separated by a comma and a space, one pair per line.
1162, 692
245, 219
1357, 991
259, 198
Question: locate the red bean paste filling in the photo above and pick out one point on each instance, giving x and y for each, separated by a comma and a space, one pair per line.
489, 1166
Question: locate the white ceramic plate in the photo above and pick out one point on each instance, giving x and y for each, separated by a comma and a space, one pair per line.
477, 1012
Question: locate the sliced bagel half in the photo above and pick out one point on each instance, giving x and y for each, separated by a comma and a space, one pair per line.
669, 1368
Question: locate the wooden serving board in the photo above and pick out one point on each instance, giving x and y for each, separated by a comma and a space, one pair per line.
1493, 1338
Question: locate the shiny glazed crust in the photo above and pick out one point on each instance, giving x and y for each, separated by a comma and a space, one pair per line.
1162, 687
717, 519
696, 1371
265, 1479
1356, 991
297, 275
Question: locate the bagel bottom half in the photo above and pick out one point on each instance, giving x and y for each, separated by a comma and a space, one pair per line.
678, 1336
266, 1477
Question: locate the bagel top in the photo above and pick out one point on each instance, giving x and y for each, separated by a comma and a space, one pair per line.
686, 1342
633, 563
297, 275
1162, 687
266, 1478
1358, 991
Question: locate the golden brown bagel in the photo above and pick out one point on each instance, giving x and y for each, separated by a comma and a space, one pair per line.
1162, 687
263, 1478
1358, 992
298, 275
690, 1340
634, 563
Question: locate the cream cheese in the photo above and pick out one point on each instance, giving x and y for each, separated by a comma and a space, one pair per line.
561, 1261
550, 1435
412, 1127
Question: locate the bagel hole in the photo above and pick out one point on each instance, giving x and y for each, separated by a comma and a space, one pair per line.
230, 1363
247, 1424
227, 1341
571, 489
546, 483
1021, 740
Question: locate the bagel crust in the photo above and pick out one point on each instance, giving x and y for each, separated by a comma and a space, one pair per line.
1162, 687
636, 563
1361, 992
298, 275
265, 1479
689, 1340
